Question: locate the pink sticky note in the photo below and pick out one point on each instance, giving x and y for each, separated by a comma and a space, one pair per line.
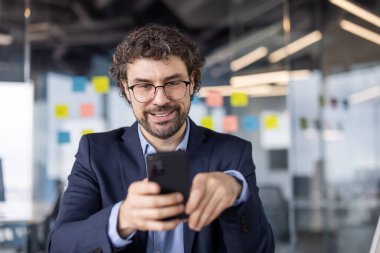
86, 110
230, 123
214, 99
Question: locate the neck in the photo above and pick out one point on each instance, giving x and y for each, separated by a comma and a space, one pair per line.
165, 145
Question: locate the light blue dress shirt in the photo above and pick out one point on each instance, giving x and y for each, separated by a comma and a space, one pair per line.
170, 241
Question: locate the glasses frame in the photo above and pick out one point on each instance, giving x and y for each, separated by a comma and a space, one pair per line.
163, 87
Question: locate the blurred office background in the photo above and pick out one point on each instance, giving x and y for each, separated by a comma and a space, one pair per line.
300, 79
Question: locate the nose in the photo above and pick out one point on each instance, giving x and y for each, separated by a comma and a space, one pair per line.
160, 98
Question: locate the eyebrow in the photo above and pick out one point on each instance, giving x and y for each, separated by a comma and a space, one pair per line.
171, 77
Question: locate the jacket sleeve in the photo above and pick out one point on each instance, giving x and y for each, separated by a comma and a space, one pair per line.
82, 221
245, 227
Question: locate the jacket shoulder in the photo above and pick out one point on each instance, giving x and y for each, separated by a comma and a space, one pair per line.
223, 138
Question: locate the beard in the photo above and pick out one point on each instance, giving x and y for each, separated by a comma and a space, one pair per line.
165, 129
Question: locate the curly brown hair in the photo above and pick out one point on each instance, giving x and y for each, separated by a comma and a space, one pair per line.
156, 42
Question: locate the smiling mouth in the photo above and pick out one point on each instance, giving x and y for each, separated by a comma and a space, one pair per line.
161, 114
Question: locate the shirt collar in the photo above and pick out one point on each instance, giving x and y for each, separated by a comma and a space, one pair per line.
147, 148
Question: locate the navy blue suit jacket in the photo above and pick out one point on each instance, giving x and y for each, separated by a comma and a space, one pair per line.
107, 163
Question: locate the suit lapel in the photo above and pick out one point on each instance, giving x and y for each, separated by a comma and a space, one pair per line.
199, 159
132, 167
131, 158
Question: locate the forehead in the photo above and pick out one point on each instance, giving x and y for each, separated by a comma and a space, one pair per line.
151, 69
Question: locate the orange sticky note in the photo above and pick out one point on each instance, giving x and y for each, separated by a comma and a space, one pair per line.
214, 99
207, 122
239, 99
87, 131
61, 111
271, 121
230, 123
86, 110
101, 84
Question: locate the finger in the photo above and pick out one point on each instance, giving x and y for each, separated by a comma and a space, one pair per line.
210, 206
160, 213
196, 214
146, 201
220, 207
153, 225
196, 193
144, 187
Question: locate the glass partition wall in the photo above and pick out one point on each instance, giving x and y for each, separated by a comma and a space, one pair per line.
318, 159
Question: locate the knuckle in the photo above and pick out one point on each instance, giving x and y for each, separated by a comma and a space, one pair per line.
207, 213
157, 213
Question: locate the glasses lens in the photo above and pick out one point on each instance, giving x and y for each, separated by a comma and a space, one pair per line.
144, 92
175, 90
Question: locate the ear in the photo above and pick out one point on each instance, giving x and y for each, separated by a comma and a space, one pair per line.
126, 90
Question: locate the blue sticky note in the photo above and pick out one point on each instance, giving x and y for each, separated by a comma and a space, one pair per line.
63, 137
195, 100
79, 83
250, 123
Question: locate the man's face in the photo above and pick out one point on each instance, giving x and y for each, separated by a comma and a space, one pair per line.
161, 117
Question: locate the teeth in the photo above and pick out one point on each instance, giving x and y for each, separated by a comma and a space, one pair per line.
161, 115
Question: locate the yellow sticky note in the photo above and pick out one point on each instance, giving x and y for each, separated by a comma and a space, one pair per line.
61, 111
207, 122
239, 99
271, 121
101, 84
87, 131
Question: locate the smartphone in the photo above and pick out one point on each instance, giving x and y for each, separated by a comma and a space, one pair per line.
171, 171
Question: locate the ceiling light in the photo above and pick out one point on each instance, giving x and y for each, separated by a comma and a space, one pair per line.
360, 31
249, 58
364, 95
281, 77
257, 91
5, 39
295, 46
357, 11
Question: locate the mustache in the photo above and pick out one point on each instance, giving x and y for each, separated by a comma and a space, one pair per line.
159, 109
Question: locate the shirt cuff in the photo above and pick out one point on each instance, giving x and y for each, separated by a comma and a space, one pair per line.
244, 190
113, 235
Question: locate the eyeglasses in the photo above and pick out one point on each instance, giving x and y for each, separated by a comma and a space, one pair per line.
146, 92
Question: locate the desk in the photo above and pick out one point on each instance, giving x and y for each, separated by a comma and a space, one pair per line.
19, 223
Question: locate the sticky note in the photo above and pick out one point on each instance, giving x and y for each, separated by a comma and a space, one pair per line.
271, 121
239, 99
63, 137
322, 101
101, 84
214, 99
86, 110
61, 111
87, 131
303, 123
230, 123
79, 83
250, 123
207, 122
195, 100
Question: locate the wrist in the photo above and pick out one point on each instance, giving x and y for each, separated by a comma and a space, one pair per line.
124, 229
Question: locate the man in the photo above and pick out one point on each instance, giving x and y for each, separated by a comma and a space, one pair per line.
110, 206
